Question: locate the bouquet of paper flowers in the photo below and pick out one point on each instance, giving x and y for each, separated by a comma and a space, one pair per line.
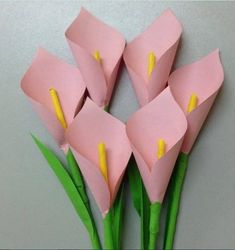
73, 102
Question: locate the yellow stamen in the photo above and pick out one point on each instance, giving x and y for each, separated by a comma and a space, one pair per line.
97, 57
151, 63
161, 148
192, 103
57, 107
103, 160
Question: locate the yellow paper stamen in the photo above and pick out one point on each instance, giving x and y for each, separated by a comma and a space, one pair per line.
103, 160
57, 107
192, 103
151, 63
97, 57
161, 148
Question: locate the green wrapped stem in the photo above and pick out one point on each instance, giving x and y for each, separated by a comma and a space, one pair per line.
154, 224
108, 231
175, 190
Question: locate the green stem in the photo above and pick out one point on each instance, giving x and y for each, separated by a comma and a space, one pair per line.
108, 231
154, 224
175, 190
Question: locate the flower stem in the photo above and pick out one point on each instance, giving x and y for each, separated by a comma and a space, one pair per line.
108, 231
154, 224
175, 190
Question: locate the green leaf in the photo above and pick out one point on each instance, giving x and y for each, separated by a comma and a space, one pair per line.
117, 213
77, 177
140, 200
145, 217
71, 191
135, 183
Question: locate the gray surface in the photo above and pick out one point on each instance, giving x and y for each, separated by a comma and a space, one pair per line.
34, 210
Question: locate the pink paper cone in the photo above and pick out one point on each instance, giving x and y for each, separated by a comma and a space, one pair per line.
162, 38
86, 35
163, 119
45, 72
89, 128
204, 78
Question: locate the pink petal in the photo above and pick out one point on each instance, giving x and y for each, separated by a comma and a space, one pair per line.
86, 35
162, 38
161, 118
48, 71
92, 126
204, 78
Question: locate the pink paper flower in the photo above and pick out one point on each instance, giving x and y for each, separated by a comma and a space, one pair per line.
161, 118
89, 128
161, 38
87, 35
46, 72
204, 79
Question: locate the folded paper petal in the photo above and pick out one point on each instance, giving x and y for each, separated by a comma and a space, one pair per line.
92, 126
161, 118
162, 38
86, 35
204, 78
45, 72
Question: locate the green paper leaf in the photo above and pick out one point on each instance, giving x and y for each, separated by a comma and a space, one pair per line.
77, 177
71, 191
145, 217
117, 214
175, 190
140, 200
135, 183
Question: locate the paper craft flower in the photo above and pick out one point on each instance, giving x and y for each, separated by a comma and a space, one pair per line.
195, 87
51, 83
150, 56
97, 49
161, 123
102, 149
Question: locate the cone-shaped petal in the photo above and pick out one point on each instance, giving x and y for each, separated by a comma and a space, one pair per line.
161, 38
45, 72
92, 126
161, 118
203, 78
87, 35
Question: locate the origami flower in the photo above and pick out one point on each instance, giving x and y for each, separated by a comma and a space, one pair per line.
163, 122
91, 132
97, 49
49, 75
195, 88
197, 85
150, 56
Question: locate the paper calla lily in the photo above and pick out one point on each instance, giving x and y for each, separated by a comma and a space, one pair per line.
97, 49
163, 119
90, 128
203, 80
47, 72
150, 56
195, 87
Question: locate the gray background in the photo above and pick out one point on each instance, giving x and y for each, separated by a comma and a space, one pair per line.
34, 210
